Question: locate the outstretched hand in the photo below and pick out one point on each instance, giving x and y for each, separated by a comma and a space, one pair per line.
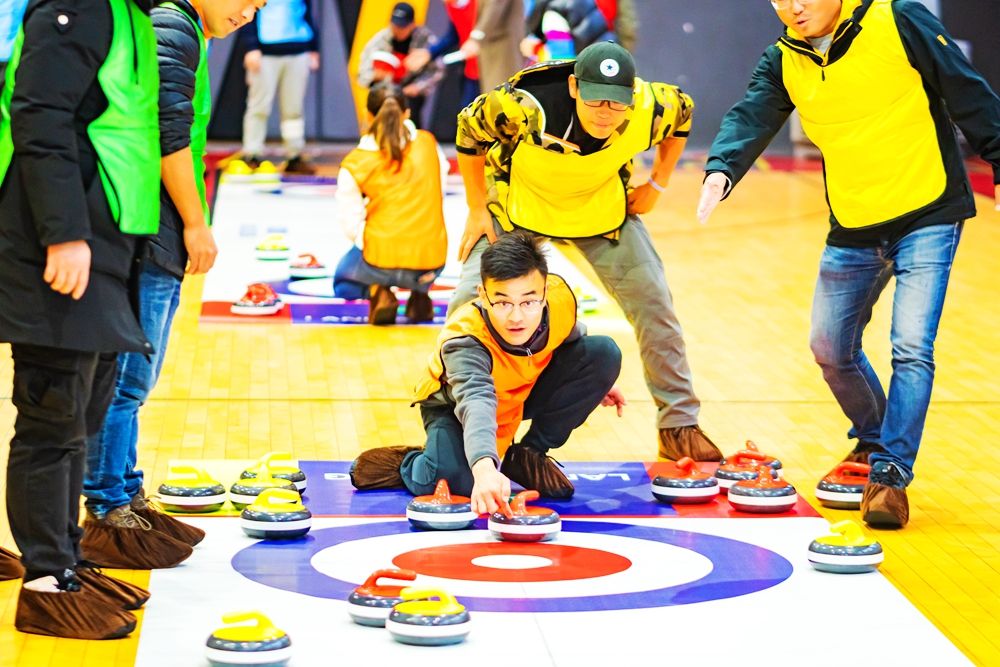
616, 398
712, 192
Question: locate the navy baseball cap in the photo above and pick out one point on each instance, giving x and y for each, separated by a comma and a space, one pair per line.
402, 15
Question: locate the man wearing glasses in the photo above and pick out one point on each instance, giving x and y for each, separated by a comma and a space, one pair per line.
517, 352
550, 152
877, 84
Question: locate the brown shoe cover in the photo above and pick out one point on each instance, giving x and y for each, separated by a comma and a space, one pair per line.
10, 565
84, 614
536, 472
120, 593
130, 548
382, 306
861, 453
419, 308
690, 441
379, 468
171, 526
884, 506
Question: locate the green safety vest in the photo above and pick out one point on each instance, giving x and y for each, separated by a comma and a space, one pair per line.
202, 103
126, 136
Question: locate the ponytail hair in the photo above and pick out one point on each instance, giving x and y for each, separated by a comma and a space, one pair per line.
387, 104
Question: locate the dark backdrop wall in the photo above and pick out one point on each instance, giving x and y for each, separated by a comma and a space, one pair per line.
708, 47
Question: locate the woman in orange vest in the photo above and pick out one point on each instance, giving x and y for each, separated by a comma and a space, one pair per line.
515, 353
389, 203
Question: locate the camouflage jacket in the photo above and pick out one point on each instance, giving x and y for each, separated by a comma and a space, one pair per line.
497, 121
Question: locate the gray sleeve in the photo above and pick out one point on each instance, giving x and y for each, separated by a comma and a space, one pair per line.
468, 370
578, 332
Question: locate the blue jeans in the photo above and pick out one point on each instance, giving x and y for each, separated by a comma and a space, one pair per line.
850, 282
112, 478
354, 276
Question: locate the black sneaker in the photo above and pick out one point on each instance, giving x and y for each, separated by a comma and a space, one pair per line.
862, 451
299, 165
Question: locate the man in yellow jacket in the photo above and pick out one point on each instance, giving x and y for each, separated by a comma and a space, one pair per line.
550, 152
877, 84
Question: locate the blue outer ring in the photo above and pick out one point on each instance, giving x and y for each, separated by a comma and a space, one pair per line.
738, 568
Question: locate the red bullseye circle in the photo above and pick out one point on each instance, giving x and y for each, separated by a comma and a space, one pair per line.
454, 561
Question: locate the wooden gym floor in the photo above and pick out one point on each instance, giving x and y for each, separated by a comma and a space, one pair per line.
743, 287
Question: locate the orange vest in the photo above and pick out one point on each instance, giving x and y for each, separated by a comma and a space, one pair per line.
404, 219
513, 375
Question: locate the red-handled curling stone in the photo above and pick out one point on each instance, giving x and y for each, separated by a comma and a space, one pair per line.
843, 486
441, 511
370, 603
764, 495
770, 461
685, 487
738, 467
525, 524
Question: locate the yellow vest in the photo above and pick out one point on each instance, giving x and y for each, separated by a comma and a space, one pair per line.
568, 195
404, 220
890, 136
513, 376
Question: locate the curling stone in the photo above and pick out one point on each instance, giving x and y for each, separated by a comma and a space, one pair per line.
278, 471
764, 495
370, 604
260, 644
687, 486
441, 511
770, 461
525, 524
843, 486
424, 621
738, 467
276, 514
847, 551
245, 491
191, 490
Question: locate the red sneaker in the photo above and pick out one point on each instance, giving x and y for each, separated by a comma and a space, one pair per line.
260, 299
307, 266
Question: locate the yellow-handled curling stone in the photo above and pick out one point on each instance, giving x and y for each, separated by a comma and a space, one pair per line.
846, 551
245, 491
278, 471
260, 644
276, 514
191, 490
428, 617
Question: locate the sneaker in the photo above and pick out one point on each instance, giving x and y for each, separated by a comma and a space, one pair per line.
382, 305
125, 540
862, 451
307, 266
259, 299
299, 165
884, 503
690, 441
379, 468
419, 308
120, 593
149, 510
536, 471
10, 565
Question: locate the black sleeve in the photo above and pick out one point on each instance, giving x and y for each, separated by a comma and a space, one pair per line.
65, 43
972, 104
446, 44
250, 35
178, 53
308, 17
751, 124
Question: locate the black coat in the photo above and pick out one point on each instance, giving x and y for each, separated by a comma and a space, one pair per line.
52, 193
177, 52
